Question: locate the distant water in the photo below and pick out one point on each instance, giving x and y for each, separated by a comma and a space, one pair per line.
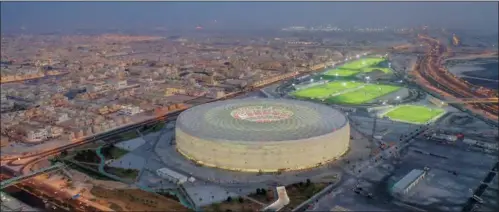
488, 70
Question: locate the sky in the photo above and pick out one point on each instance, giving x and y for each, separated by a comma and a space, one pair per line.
47, 16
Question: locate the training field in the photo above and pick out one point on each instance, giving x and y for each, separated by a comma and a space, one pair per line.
363, 95
370, 69
326, 90
414, 114
357, 66
362, 63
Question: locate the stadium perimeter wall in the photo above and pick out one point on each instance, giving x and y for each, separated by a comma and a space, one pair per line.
264, 156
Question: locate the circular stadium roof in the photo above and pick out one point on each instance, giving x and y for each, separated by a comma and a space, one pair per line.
260, 120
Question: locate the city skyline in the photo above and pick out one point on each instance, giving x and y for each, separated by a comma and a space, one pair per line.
47, 16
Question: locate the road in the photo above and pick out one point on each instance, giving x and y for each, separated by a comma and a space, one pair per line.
437, 78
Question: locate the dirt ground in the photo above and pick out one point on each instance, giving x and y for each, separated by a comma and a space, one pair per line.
136, 200
264, 198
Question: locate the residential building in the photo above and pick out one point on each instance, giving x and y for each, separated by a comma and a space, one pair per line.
54, 131
130, 110
174, 90
36, 135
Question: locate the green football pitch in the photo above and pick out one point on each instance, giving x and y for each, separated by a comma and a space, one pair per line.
355, 67
363, 95
326, 90
414, 113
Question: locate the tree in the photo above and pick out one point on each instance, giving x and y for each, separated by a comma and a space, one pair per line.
308, 182
64, 153
300, 184
258, 191
263, 191
241, 200
229, 199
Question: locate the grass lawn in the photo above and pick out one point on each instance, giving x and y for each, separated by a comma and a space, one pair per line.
325, 90
116, 152
129, 135
384, 70
298, 194
362, 63
414, 113
130, 174
155, 128
363, 95
353, 68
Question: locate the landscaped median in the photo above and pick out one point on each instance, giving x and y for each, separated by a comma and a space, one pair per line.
413, 114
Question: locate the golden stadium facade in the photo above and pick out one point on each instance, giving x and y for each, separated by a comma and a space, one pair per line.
266, 135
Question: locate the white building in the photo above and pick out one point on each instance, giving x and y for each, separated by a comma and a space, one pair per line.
3, 97
62, 117
450, 138
172, 176
53, 131
404, 185
130, 110
36, 135
119, 84
98, 87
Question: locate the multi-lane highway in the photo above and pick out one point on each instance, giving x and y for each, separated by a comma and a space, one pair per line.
449, 85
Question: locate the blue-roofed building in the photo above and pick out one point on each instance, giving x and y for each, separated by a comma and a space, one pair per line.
410, 180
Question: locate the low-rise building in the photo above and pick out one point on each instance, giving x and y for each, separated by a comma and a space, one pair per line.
215, 94
404, 185
119, 84
174, 90
130, 110
36, 135
98, 87
62, 117
54, 131
172, 176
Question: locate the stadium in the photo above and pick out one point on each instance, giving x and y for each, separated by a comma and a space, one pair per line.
262, 135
